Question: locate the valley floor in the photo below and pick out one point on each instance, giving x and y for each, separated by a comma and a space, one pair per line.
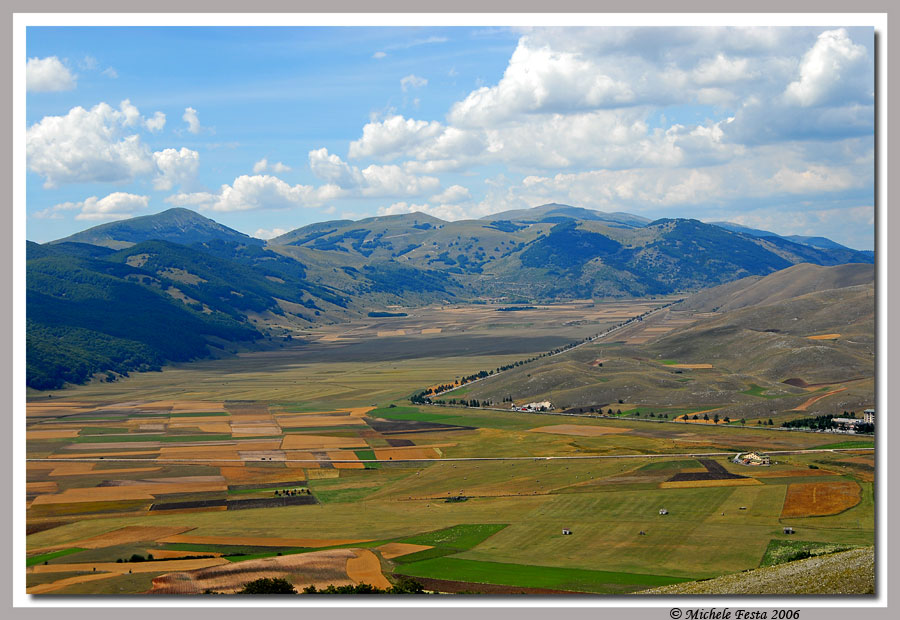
308, 462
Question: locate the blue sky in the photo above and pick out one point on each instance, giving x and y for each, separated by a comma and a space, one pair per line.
268, 129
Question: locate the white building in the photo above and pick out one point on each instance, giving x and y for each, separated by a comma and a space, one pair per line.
869, 416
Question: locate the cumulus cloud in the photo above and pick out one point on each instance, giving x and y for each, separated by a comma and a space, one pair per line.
46, 75
91, 145
248, 193
193, 121
379, 55
175, 167
825, 69
157, 122
372, 181
86, 146
110, 73
451, 195
262, 233
393, 137
115, 206
412, 81
263, 165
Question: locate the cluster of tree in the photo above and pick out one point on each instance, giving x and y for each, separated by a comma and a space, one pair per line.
825, 422
278, 585
136, 557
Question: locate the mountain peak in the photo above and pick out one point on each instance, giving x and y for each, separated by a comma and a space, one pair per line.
177, 225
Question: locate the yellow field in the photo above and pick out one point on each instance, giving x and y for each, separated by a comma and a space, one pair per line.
824, 337
365, 568
814, 499
67, 581
319, 442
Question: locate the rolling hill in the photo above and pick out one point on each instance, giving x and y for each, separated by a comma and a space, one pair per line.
176, 225
212, 282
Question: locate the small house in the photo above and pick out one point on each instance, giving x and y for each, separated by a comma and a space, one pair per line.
566, 531
788, 530
663, 511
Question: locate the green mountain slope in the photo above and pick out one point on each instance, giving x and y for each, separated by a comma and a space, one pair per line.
176, 225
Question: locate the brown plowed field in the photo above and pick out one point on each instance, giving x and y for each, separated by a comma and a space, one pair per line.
365, 568
814, 499
319, 568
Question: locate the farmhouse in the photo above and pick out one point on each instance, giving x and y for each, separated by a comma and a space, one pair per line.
663, 511
543, 405
788, 530
566, 531
752, 458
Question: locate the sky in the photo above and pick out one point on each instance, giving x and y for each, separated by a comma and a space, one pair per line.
266, 129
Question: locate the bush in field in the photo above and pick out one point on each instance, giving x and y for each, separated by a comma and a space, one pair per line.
268, 585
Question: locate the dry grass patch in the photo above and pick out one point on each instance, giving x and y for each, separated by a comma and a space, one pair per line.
365, 568
124, 567
172, 554
580, 431
824, 337
411, 452
395, 550
320, 442
814, 499
345, 455
690, 366
727, 482
313, 421
51, 434
432, 330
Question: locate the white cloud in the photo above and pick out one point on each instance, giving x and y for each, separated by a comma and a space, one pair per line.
393, 137
157, 122
248, 193
722, 70
412, 81
262, 233
379, 55
45, 75
541, 80
372, 181
110, 73
263, 165
91, 145
115, 206
813, 180
176, 167
451, 195
830, 62
86, 146
193, 121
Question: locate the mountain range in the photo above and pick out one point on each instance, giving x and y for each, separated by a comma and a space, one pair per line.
131, 295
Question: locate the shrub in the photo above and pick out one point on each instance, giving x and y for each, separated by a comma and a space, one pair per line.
268, 585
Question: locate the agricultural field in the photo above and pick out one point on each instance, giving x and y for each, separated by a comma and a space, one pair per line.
310, 463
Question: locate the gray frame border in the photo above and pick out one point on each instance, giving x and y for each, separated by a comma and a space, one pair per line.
408, 608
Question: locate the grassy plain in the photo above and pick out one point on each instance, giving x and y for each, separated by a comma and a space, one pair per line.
168, 462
